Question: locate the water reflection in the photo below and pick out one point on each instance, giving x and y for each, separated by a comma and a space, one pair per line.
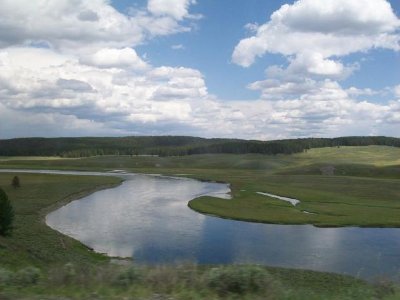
146, 217
362, 252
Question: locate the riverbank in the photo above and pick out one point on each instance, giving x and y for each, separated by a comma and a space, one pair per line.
32, 241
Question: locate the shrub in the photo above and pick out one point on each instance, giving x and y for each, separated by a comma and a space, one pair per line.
6, 214
239, 280
128, 277
68, 273
6, 276
384, 287
163, 279
15, 182
27, 276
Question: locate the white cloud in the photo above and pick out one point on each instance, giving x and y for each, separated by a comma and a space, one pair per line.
158, 25
116, 58
397, 91
353, 91
314, 63
164, 100
80, 25
66, 24
305, 98
89, 81
178, 9
66, 85
177, 47
318, 30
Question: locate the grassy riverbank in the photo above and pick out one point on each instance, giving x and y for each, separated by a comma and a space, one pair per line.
32, 241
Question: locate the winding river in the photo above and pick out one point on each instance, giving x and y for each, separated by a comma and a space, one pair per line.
147, 218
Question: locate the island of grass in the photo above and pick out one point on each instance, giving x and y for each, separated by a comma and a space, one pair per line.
37, 262
361, 189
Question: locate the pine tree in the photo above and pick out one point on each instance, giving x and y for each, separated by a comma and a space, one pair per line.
15, 182
6, 214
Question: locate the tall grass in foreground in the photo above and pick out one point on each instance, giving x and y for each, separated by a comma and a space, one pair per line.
184, 282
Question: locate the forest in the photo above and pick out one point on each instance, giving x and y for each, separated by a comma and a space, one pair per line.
175, 145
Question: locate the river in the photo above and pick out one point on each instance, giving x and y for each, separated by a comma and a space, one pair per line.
147, 218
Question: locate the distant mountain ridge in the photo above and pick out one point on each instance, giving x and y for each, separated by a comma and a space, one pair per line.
175, 145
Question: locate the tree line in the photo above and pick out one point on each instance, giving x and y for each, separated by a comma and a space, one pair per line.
175, 145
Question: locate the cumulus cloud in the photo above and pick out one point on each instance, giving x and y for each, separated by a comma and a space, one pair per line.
95, 100
315, 31
305, 97
70, 86
397, 91
86, 24
178, 9
116, 58
66, 24
70, 68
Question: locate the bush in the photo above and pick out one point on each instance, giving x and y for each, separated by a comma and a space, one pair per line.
6, 276
67, 273
6, 214
27, 276
239, 280
15, 182
128, 277
384, 287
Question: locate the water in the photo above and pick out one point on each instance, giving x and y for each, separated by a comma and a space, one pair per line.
292, 201
147, 218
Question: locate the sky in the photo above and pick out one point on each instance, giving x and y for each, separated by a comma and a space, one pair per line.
251, 69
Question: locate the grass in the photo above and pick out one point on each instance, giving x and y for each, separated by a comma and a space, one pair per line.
184, 282
335, 201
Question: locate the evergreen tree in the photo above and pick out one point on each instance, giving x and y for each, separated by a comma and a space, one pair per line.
15, 182
6, 214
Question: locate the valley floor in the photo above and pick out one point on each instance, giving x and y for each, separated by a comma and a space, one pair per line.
361, 189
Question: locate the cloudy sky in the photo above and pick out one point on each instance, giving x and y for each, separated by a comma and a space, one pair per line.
227, 68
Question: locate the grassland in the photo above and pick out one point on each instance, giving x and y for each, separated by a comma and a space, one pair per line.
39, 263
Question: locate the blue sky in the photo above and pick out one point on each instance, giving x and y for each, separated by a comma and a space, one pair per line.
243, 69
209, 49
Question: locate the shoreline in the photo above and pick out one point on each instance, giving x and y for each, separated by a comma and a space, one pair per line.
75, 196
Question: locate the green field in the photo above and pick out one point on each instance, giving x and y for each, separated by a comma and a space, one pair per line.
39, 263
